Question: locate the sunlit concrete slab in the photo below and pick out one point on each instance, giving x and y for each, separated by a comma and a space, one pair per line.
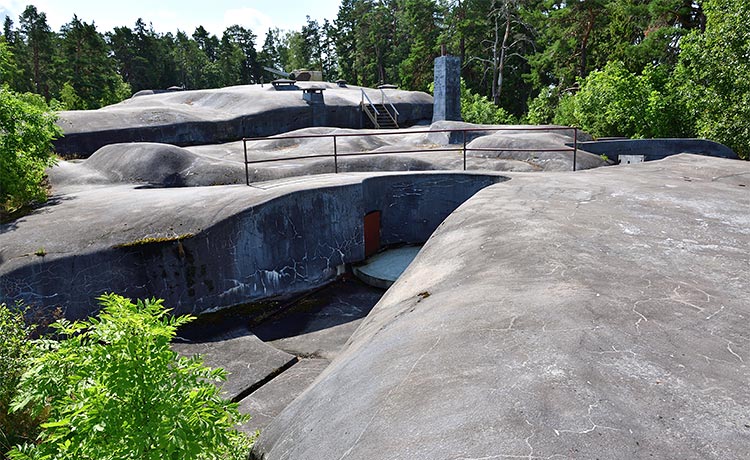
384, 268
598, 314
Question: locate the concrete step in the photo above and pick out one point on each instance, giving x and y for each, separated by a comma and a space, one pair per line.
384, 268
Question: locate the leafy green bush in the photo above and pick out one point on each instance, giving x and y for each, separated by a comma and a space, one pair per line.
15, 346
616, 102
477, 109
70, 99
610, 102
7, 63
113, 389
27, 128
542, 107
565, 112
712, 75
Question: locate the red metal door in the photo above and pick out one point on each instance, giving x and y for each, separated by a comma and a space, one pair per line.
372, 233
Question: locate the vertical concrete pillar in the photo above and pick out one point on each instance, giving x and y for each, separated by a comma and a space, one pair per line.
314, 98
447, 89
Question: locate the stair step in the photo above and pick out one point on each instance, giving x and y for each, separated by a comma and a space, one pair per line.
383, 118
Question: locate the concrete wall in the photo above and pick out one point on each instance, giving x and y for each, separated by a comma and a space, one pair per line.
656, 149
268, 123
447, 89
287, 245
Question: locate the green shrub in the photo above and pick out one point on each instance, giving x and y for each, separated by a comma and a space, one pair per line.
712, 75
610, 102
27, 128
616, 102
565, 112
17, 427
477, 109
113, 389
542, 108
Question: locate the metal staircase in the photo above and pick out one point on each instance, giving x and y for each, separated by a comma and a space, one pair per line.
383, 115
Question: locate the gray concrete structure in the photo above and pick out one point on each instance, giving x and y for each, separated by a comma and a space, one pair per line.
212, 116
266, 403
656, 149
210, 247
314, 98
165, 165
384, 268
314, 328
598, 314
233, 355
447, 92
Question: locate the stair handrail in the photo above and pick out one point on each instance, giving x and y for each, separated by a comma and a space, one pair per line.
373, 118
365, 96
385, 97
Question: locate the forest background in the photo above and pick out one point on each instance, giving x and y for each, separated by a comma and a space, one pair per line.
636, 68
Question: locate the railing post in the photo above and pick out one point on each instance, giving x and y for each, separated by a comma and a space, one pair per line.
464, 149
575, 147
247, 171
335, 156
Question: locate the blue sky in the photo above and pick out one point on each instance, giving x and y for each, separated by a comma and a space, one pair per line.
186, 15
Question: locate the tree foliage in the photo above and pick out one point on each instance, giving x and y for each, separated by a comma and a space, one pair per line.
35, 49
7, 62
85, 69
27, 128
713, 71
15, 347
478, 109
392, 41
91, 80
616, 102
111, 388
684, 59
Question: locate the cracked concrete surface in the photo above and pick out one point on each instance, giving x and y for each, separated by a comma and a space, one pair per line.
300, 342
596, 314
163, 165
600, 314
206, 248
212, 116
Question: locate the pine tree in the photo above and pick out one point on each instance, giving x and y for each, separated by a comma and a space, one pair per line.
88, 69
37, 57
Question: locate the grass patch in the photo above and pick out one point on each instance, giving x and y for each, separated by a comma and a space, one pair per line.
154, 240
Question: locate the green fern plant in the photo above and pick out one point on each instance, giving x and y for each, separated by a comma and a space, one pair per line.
112, 388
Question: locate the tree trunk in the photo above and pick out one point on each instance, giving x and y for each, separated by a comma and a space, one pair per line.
503, 51
495, 59
585, 43
462, 40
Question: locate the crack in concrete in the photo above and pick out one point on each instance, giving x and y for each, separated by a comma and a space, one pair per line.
387, 397
594, 425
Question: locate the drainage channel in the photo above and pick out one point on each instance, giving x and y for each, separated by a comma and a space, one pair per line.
270, 362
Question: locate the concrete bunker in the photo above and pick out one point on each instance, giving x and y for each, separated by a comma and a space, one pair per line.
286, 245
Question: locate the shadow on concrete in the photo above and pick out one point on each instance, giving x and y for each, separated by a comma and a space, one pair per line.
9, 222
338, 303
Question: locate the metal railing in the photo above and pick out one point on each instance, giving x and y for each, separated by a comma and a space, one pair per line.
365, 109
365, 96
460, 148
383, 99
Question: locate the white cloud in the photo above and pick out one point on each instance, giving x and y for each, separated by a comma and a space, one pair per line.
10, 8
57, 15
250, 18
